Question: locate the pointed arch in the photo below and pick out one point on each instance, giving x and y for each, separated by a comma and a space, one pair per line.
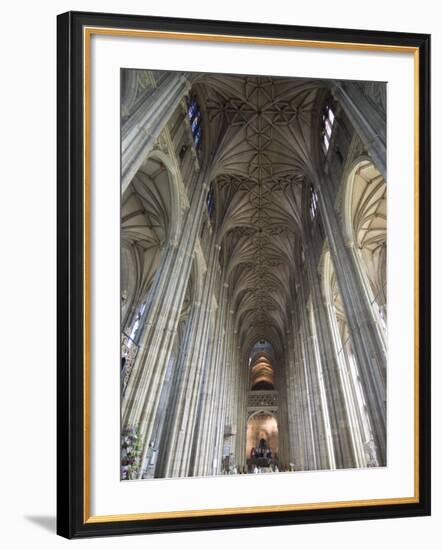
365, 226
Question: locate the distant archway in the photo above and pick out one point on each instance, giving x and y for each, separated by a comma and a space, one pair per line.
262, 376
261, 426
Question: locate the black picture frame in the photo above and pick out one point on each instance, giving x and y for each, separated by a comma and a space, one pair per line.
72, 520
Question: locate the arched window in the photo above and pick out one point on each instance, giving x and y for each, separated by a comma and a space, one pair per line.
210, 202
313, 203
194, 114
327, 122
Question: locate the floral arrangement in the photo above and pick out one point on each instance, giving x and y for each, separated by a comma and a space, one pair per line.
130, 453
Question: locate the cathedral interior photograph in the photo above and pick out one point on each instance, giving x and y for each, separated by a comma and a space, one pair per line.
253, 274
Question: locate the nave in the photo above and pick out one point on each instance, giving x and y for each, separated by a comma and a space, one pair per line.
253, 274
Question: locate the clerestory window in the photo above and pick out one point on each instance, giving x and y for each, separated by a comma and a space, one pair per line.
327, 122
194, 114
210, 203
313, 203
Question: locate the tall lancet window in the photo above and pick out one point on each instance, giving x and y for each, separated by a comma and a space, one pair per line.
210, 202
194, 114
327, 122
313, 202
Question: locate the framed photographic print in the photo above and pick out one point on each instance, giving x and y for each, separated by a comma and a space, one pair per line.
243, 274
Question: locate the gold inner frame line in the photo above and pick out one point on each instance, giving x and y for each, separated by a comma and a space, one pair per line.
87, 34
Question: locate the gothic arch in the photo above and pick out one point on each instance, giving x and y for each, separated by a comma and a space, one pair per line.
354, 397
262, 424
175, 190
263, 411
150, 217
365, 227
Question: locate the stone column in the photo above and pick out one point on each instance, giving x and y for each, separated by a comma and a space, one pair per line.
217, 394
140, 400
202, 438
239, 394
311, 410
145, 124
173, 396
368, 348
153, 456
294, 440
180, 434
167, 442
220, 419
285, 440
300, 437
368, 120
220, 416
339, 419
307, 366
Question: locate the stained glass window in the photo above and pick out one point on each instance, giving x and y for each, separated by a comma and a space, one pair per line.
210, 203
194, 114
196, 123
193, 107
328, 128
326, 142
198, 137
328, 119
313, 202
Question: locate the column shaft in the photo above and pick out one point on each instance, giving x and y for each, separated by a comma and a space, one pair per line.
339, 420
215, 362
180, 437
368, 120
369, 350
140, 400
143, 127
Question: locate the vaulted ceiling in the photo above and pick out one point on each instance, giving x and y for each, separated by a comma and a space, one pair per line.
260, 135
